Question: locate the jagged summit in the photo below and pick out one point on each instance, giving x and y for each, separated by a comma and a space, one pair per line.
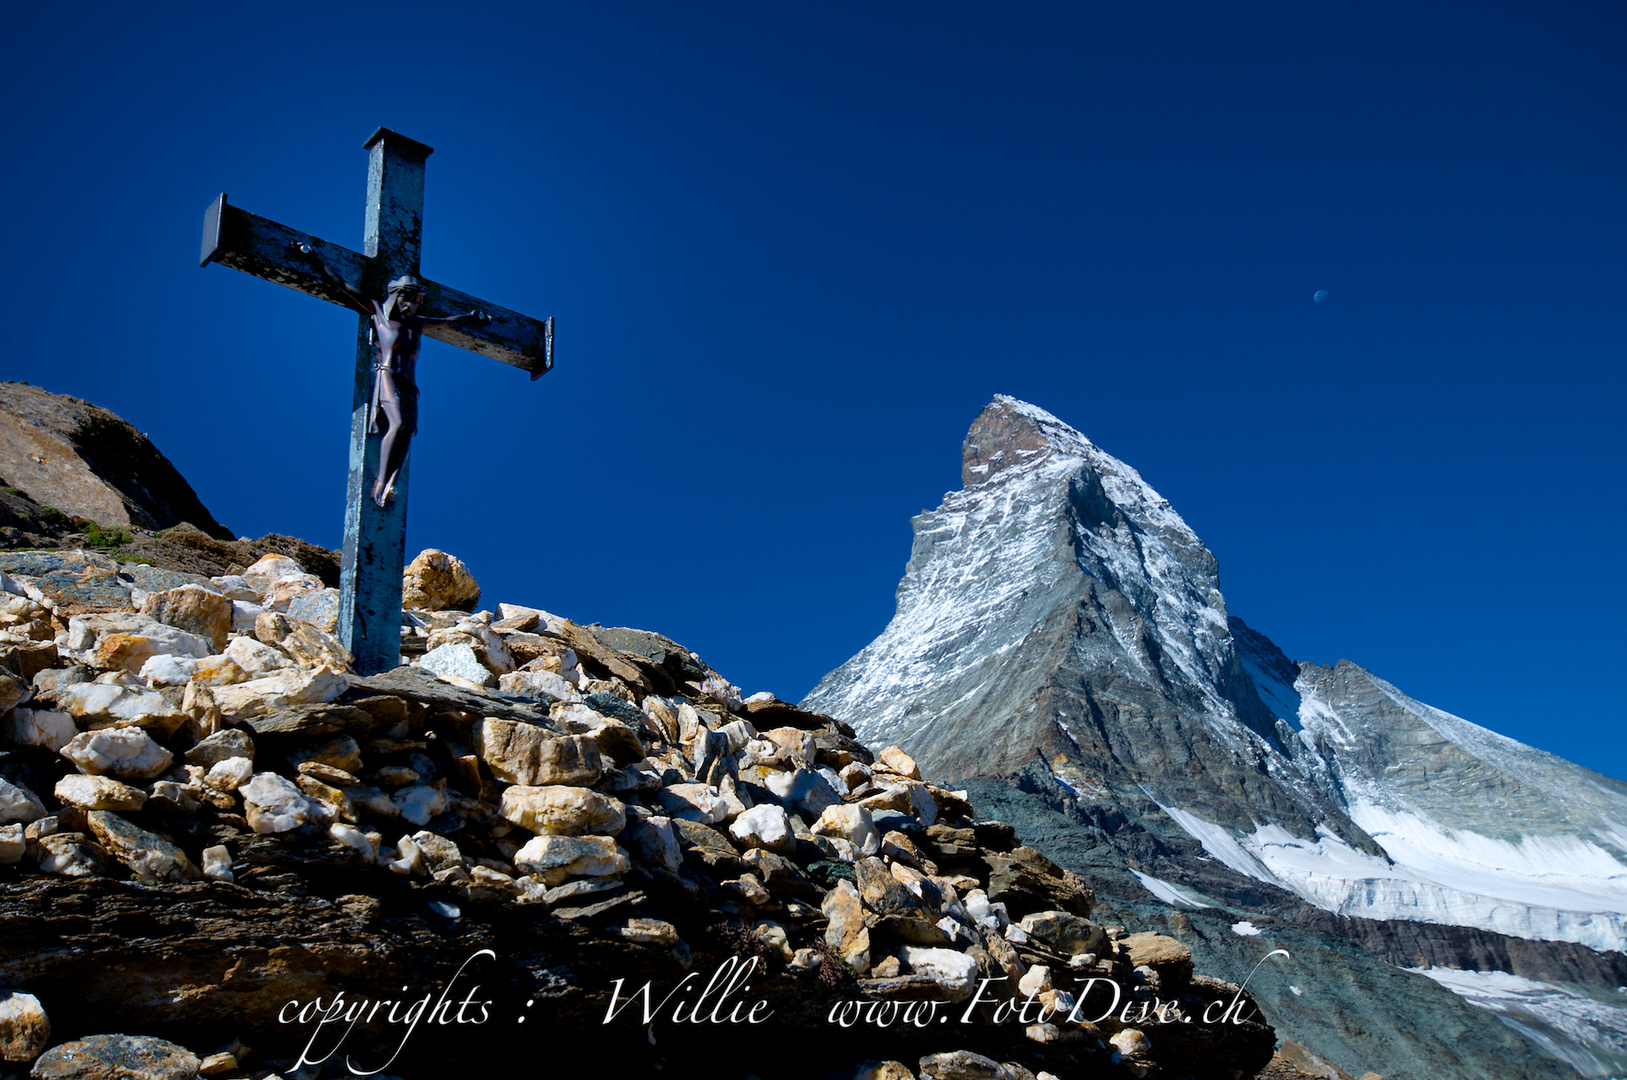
1059, 591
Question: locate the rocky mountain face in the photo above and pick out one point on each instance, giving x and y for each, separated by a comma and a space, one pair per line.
1061, 645
61, 454
538, 846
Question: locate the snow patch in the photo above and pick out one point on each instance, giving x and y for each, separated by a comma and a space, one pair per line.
1169, 893
1588, 1034
1555, 888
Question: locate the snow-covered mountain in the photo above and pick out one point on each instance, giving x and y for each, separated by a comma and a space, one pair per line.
1058, 615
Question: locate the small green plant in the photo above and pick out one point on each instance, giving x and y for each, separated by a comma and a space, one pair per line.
15, 491
98, 537
54, 516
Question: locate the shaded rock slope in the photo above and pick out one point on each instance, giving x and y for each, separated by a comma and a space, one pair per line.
83, 462
224, 854
1061, 642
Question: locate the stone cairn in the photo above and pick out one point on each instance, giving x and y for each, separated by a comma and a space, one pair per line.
204, 738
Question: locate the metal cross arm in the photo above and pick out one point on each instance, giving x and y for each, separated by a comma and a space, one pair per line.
243, 241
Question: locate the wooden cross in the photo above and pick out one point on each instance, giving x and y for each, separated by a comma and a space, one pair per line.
375, 537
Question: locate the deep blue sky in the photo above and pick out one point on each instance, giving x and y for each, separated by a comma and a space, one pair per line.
793, 249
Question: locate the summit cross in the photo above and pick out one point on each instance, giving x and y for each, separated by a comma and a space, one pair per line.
383, 284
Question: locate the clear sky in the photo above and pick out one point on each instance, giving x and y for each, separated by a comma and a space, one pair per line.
794, 248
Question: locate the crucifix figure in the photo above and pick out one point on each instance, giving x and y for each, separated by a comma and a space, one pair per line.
398, 330
384, 399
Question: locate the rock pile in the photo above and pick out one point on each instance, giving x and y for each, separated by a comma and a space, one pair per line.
205, 815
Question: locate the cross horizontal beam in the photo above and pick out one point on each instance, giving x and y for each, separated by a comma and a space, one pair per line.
243, 241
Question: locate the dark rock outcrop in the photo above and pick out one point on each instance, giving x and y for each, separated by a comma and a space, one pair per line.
88, 463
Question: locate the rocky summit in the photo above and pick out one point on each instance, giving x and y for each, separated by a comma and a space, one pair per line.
1062, 649
535, 847
65, 463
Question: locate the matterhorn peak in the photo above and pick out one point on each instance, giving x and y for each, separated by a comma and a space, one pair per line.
1061, 646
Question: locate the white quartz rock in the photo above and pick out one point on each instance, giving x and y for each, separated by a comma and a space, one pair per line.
118, 703
98, 793
229, 774
457, 663
217, 864
850, 822
37, 727
274, 804
126, 753
256, 658
12, 844
244, 612
236, 587
259, 696
766, 826
165, 669
419, 803
352, 837
18, 804
268, 569
954, 971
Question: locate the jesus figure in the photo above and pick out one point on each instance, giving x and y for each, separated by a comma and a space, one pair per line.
398, 332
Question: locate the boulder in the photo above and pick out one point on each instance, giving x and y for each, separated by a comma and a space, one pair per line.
195, 609
419, 803
556, 859
148, 855
117, 1057
851, 823
955, 972
1131, 1042
654, 841
268, 569
563, 811
459, 664
124, 641
308, 646
24, 1028
320, 609
17, 803
258, 697
256, 658
69, 854
845, 931
126, 753
693, 802
274, 804
766, 826
521, 753
805, 791
965, 1065
102, 704
436, 581
229, 743
1066, 933
37, 727
1164, 955
99, 793
894, 758
13, 844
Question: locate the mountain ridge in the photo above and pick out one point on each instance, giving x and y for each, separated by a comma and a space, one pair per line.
1057, 613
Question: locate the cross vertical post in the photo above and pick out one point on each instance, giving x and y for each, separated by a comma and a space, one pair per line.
376, 537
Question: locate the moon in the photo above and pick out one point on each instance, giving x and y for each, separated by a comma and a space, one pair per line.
1321, 295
